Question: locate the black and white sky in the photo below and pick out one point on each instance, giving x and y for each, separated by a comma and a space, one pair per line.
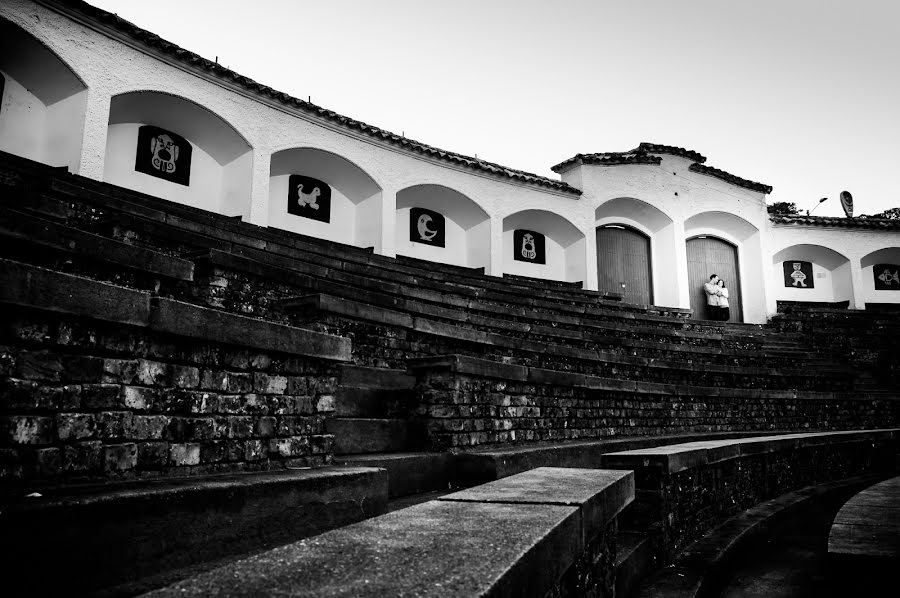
803, 95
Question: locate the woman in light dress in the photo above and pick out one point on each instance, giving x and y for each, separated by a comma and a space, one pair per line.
722, 294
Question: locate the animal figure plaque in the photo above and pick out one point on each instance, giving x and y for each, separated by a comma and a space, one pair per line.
427, 227
887, 277
529, 246
164, 155
798, 275
309, 198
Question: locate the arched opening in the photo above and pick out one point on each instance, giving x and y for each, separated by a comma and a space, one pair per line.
43, 101
173, 148
812, 273
739, 243
442, 225
541, 244
323, 195
881, 276
708, 255
624, 264
636, 246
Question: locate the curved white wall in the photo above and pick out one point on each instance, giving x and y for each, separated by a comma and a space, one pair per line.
564, 243
221, 164
468, 230
43, 105
831, 274
356, 199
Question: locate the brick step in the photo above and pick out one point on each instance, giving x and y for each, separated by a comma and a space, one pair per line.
409, 473
98, 537
354, 435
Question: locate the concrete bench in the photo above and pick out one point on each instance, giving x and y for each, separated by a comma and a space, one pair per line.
524, 535
684, 490
81, 539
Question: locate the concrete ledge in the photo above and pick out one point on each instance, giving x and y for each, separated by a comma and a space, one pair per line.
185, 319
483, 465
701, 568
679, 457
561, 486
30, 286
100, 536
470, 365
507, 542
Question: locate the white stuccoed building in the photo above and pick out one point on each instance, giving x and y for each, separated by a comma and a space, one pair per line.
87, 90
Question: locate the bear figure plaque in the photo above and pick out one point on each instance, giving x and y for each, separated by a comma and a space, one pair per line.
164, 155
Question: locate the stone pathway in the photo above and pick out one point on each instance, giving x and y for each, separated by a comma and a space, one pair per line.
795, 564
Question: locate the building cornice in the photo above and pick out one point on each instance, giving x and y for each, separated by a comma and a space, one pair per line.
149, 43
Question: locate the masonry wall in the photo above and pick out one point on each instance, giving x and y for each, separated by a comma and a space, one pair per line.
83, 399
461, 410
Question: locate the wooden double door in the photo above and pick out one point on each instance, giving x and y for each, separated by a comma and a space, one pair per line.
708, 255
623, 257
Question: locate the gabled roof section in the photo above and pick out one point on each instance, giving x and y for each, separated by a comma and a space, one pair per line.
835, 221
730, 178
656, 148
144, 38
609, 159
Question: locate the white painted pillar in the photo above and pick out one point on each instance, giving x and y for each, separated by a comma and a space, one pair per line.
93, 140
680, 275
856, 284
259, 188
768, 272
497, 249
387, 244
590, 258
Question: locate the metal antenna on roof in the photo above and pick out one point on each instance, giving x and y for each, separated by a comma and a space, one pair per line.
809, 212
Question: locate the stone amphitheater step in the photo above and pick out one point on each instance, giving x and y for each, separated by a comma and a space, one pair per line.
104, 536
634, 559
491, 343
19, 229
370, 435
409, 473
372, 392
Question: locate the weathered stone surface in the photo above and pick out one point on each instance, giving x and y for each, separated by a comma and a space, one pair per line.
432, 549
600, 493
26, 429
215, 516
189, 320
31, 286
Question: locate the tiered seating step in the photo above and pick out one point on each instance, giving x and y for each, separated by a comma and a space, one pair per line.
515, 537
101, 536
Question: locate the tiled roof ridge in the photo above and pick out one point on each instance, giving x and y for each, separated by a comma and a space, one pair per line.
837, 221
658, 148
610, 159
730, 178
147, 38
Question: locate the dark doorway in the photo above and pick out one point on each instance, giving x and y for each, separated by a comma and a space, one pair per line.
709, 255
623, 256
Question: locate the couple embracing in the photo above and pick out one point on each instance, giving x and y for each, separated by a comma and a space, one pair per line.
716, 299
